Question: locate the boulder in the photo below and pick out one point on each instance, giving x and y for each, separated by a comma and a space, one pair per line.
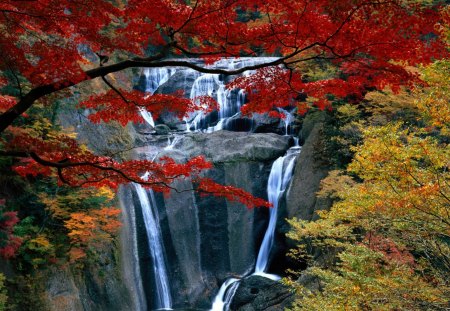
257, 293
162, 129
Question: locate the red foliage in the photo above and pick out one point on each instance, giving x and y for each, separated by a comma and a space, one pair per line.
50, 44
209, 187
9, 244
111, 106
389, 248
6, 102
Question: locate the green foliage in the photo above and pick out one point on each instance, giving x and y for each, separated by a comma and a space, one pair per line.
385, 245
341, 132
26, 292
3, 296
36, 249
364, 280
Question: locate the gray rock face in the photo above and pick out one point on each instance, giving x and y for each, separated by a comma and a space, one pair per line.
257, 293
301, 200
62, 293
224, 146
207, 239
97, 287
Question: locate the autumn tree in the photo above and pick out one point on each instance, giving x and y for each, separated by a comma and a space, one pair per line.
52, 48
386, 238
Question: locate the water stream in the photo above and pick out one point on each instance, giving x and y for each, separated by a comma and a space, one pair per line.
279, 178
154, 78
163, 299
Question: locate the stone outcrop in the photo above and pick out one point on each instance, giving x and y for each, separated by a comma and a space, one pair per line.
301, 199
224, 146
97, 287
257, 293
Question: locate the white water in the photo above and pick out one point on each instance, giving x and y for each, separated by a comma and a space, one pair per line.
279, 178
132, 271
154, 78
171, 143
211, 85
287, 120
226, 292
150, 214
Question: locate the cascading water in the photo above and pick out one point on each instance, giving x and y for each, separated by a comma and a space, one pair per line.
288, 118
149, 210
154, 78
131, 254
226, 292
279, 178
229, 102
171, 144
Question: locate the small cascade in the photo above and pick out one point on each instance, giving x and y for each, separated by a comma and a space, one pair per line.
147, 116
154, 78
226, 292
279, 178
287, 120
230, 102
171, 144
150, 214
205, 85
131, 257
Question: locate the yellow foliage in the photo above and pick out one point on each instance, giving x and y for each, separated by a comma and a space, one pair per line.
434, 100
402, 198
91, 230
3, 296
364, 280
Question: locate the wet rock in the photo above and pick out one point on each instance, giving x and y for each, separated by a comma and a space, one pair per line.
263, 123
98, 286
162, 129
257, 293
224, 146
301, 199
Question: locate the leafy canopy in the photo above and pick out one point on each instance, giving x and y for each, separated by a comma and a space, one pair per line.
386, 238
48, 46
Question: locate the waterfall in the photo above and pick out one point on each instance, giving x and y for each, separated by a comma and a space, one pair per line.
230, 102
226, 292
279, 178
229, 105
288, 118
150, 214
154, 78
171, 144
132, 271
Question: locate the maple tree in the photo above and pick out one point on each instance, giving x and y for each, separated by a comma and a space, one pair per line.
9, 243
385, 238
48, 46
